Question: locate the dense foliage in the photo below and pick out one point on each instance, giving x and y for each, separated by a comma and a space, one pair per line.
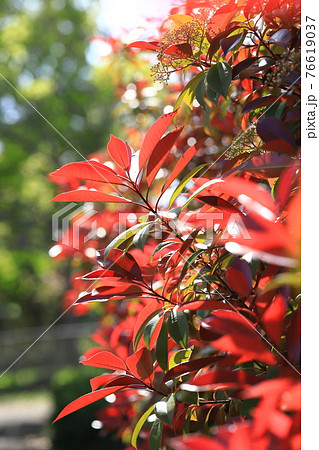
198, 277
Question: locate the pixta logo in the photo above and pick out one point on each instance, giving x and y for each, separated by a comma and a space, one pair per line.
74, 225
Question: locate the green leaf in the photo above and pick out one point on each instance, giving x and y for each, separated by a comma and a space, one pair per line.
150, 328
187, 397
162, 245
141, 236
164, 409
212, 95
283, 279
188, 264
155, 439
188, 93
184, 182
162, 348
200, 92
139, 426
220, 259
219, 77
124, 236
178, 327
179, 357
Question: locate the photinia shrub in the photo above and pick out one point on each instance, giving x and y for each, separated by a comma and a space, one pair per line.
197, 268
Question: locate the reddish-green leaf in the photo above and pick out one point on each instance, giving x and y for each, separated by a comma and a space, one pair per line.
153, 136
259, 102
160, 153
106, 360
119, 152
150, 310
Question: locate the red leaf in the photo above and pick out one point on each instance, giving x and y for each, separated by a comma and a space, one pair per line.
195, 442
221, 18
86, 195
103, 294
273, 318
208, 305
145, 315
239, 277
218, 379
97, 274
111, 380
122, 263
276, 386
267, 240
119, 152
188, 367
219, 203
180, 50
140, 364
106, 360
158, 156
271, 128
259, 102
182, 163
251, 195
239, 336
144, 45
153, 135
266, 165
100, 380
286, 183
280, 146
89, 170
85, 400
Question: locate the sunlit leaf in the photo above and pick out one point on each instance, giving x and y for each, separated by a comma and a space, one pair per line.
165, 408
140, 424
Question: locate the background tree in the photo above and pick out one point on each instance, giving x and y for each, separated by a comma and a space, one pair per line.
42, 51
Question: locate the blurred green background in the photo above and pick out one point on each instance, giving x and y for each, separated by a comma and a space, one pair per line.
44, 55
